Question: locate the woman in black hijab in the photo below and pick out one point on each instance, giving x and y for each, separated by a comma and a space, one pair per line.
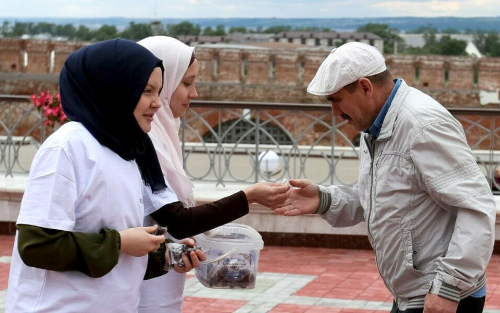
80, 245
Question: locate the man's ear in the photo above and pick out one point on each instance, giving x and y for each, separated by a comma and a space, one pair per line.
366, 85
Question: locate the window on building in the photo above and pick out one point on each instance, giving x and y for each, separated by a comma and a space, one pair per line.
272, 69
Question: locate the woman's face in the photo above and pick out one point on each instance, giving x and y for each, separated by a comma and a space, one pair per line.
149, 102
185, 91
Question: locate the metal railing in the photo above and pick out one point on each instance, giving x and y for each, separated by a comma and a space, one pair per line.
277, 141
21, 133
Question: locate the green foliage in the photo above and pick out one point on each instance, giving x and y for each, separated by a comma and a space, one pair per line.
487, 43
445, 46
183, 29
450, 46
83, 33
219, 31
106, 32
389, 35
241, 30
423, 29
277, 29
136, 31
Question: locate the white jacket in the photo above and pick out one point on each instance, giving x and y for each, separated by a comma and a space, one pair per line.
429, 210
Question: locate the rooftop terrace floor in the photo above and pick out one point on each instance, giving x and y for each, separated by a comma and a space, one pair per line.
305, 280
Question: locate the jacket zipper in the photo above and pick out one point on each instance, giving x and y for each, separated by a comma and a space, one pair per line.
371, 145
371, 149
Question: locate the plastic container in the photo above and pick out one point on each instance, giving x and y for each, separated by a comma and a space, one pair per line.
232, 252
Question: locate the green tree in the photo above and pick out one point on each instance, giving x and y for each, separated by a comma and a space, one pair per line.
241, 30
44, 28
183, 28
83, 33
487, 43
277, 29
20, 29
220, 30
208, 31
450, 46
5, 28
389, 35
67, 30
445, 46
136, 31
492, 45
106, 32
480, 40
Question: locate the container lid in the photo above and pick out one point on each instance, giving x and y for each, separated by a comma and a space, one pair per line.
230, 236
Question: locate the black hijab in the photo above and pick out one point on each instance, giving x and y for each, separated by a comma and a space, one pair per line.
101, 85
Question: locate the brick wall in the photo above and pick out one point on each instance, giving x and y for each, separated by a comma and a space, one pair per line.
11, 55
265, 75
42, 56
489, 73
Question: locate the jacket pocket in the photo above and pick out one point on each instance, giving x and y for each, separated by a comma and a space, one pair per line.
410, 254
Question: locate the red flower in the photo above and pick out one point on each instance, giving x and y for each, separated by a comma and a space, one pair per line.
49, 103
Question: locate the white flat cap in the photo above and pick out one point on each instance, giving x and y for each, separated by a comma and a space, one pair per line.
345, 65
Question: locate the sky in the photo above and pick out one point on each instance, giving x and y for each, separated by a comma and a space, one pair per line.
248, 8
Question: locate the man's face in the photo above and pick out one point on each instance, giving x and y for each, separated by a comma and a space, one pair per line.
358, 108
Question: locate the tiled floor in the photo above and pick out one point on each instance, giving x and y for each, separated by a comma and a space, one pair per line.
305, 280
314, 280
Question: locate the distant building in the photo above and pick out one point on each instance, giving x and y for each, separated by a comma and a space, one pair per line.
328, 39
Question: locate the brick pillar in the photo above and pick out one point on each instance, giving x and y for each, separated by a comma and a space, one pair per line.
489, 74
460, 72
287, 67
432, 71
38, 56
11, 55
312, 62
230, 65
62, 50
205, 59
257, 66
402, 66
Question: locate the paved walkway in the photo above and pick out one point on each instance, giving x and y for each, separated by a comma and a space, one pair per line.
298, 280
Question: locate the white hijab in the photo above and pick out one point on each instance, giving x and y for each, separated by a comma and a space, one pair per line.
165, 128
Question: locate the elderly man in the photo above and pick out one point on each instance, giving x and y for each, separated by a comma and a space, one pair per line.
429, 211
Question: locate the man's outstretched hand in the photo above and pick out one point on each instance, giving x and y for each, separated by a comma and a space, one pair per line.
303, 198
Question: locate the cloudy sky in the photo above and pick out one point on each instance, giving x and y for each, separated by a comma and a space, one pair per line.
248, 8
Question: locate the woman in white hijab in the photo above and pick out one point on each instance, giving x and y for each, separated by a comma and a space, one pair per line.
164, 294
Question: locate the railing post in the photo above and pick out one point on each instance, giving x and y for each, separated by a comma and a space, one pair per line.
491, 171
8, 165
257, 142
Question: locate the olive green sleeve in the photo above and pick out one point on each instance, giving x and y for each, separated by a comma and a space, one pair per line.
156, 262
92, 254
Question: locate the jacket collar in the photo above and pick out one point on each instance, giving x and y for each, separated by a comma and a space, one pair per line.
390, 118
